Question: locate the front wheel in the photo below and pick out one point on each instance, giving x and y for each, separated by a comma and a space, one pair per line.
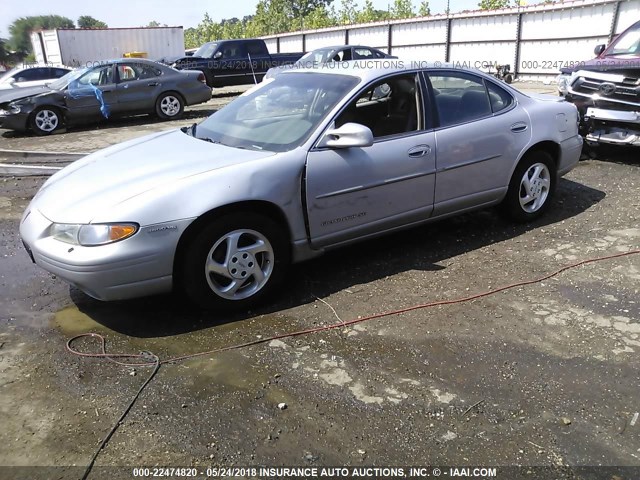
169, 106
531, 187
235, 261
45, 120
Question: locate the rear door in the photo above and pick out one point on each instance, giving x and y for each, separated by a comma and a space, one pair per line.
355, 192
480, 134
138, 87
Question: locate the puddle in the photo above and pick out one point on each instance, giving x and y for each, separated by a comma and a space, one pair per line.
72, 321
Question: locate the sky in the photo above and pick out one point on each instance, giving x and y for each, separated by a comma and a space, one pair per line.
136, 13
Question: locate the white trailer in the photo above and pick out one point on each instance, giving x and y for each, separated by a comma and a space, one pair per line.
76, 47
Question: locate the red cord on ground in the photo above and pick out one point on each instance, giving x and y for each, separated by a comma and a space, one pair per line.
112, 357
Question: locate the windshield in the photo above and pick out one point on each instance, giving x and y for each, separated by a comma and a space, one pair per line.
206, 50
278, 116
628, 43
65, 80
8, 74
315, 57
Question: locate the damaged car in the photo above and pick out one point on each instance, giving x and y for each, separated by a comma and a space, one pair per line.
606, 91
309, 161
111, 89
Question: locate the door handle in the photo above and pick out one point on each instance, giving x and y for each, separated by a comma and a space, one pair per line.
419, 151
153, 84
519, 127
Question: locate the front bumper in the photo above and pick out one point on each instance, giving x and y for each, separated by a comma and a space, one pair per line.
613, 126
15, 121
138, 266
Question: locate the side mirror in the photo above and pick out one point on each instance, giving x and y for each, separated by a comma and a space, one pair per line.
599, 49
11, 81
217, 55
347, 136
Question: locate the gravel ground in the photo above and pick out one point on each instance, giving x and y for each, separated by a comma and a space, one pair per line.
540, 375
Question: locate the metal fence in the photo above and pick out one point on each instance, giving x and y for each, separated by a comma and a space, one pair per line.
535, 40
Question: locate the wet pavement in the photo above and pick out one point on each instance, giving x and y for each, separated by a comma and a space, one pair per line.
539, 375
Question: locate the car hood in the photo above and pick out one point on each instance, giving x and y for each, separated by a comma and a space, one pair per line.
109, 177
628, 65
22, 92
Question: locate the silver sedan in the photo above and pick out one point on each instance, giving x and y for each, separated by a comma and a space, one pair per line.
310, 161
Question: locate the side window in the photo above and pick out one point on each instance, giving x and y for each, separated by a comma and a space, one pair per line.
148, 71
231, 50
379, 54
460, 97
499, 97
257, 48
32, 74
96, 76
390, 107
127, 73
58, 72
342, 55
363, 53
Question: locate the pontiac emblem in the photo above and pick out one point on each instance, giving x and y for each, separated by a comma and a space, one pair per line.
607, 88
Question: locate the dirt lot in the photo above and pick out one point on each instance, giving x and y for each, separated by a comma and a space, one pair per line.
540, 375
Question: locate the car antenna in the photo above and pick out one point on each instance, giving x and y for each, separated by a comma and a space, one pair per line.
252, 71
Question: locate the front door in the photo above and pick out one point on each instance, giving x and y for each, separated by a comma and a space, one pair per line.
92, 96
355, 192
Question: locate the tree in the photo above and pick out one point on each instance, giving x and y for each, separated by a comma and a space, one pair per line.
401, 9
154, 23
20, 30
370, 14
86, 21
495, 4
4, 55
320, 18
347, 13
424, 10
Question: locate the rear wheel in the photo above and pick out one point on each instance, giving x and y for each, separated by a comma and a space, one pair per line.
531, 187
169, 106
235, 261
45, 120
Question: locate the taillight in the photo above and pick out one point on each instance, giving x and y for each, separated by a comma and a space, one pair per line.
202, 78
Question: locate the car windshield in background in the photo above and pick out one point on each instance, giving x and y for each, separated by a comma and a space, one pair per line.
628, 44
316, 57
8, 74
65, 80
206, 50
280, 115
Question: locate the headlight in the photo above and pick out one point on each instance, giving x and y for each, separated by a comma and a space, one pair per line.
92, 235
12, 108
563, 83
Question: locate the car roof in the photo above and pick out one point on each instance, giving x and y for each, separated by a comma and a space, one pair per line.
370, 70
373, 68
21, 68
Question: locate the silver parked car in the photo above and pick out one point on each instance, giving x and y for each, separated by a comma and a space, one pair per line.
310, 161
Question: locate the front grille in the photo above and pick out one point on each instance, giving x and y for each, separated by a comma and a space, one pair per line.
627, 91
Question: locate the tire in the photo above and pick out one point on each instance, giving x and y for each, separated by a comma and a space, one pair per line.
169, 106
234, 262
508, 78
531, 187
45, 120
